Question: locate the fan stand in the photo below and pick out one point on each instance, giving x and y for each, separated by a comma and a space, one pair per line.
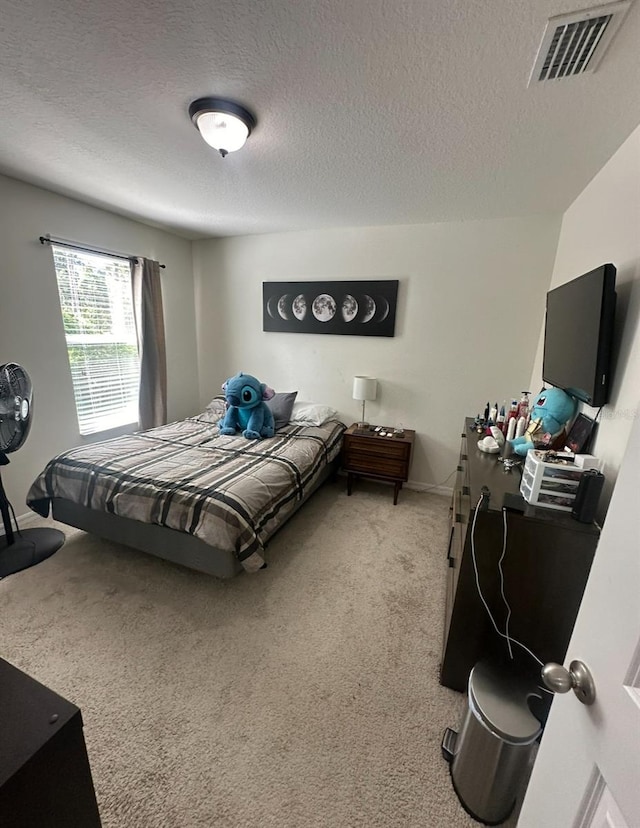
30, 547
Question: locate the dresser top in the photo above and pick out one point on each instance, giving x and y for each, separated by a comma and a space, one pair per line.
489, 470
408, 435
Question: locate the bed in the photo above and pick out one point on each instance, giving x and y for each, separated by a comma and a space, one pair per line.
188, 494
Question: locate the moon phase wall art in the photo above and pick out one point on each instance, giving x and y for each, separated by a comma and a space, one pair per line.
356, 308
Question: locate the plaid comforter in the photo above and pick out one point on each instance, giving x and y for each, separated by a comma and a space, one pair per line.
230, 492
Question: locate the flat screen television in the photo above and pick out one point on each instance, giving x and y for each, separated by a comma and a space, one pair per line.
578, 335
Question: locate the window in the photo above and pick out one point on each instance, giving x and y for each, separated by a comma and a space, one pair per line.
97, 311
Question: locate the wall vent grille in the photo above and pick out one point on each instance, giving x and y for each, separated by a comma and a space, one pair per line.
575, 43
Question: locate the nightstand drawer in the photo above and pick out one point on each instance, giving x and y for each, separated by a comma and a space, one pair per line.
370, 464
377, 447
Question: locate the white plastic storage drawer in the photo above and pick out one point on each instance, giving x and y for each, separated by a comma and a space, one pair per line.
550, 484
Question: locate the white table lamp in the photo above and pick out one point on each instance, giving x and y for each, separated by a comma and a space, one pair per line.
364, 388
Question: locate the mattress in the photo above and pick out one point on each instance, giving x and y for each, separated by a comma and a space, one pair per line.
226, 491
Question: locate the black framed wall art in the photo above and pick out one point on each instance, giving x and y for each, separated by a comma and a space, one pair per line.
362, 308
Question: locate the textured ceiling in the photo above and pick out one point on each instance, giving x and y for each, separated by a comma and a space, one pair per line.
369, 111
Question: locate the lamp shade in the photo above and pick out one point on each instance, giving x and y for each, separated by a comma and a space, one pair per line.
365, 388
223, 124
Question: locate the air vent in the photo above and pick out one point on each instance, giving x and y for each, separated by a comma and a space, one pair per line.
575, 43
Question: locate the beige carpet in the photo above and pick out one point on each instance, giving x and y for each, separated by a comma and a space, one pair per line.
304, 695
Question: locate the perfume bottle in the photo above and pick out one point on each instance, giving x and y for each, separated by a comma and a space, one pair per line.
512, 415
523, 405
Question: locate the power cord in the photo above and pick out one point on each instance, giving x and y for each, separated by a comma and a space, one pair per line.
15, 520
500, 570
505, 634
442, 482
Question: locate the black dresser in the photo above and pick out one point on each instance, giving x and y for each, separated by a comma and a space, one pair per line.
45, 778
546, 566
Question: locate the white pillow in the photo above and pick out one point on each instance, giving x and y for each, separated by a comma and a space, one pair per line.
308, 413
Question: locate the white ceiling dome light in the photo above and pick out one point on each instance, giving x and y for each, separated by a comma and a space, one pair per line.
223, 124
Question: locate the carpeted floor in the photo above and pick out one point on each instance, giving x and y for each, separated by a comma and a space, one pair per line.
304, 695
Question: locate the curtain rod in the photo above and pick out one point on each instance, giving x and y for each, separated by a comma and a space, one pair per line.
74, 246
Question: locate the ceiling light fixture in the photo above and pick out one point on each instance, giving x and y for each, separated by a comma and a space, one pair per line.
223, 124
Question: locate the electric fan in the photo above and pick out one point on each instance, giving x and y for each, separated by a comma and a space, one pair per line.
16, 410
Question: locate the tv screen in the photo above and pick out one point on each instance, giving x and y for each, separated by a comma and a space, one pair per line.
578, 335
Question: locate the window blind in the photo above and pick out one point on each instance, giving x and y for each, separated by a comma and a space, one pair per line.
97, 311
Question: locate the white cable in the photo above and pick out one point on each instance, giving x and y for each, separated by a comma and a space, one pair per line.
504, 597
482, 598
437, 485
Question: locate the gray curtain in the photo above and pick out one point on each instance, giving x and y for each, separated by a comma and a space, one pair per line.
147, 303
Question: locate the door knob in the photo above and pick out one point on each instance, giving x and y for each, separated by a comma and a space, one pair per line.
577, 678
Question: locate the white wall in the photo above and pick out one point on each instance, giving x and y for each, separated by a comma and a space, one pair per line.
469, 307
603, 225
31, 331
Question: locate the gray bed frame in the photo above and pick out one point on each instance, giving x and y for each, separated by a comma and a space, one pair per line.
178, 547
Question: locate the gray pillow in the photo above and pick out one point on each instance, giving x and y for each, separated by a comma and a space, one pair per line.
281, 406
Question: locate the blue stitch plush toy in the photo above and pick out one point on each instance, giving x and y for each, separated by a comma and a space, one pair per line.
550, 414
247, 412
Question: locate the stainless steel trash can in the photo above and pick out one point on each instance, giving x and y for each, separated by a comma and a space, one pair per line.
491, 757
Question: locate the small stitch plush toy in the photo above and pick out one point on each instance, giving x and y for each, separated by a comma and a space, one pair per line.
247, 411
550, 414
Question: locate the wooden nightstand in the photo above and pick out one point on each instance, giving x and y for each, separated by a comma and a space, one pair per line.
366, 454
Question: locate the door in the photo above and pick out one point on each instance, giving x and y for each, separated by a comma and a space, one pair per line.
587, 771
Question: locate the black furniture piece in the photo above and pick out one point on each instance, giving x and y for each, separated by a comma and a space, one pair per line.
45, 778
546, 566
